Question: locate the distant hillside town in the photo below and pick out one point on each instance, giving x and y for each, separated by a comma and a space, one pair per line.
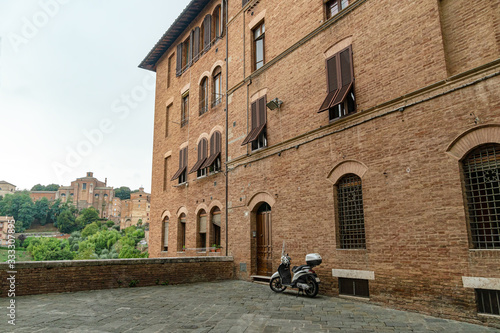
88, 192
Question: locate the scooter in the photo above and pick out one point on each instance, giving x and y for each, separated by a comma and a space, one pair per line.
304, 278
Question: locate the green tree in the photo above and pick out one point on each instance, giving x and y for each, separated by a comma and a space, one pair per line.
104, 239
90, 229
87, 216
38, 187
20, 206
122, 192
45, 248
42, 209
110, 224
50, 187
66, 222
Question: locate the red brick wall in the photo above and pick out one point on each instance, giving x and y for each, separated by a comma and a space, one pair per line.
70, 276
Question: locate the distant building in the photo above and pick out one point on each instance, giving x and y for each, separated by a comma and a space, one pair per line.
6, 188
4, 223
135, 209
38, 195
116, 209
88, 192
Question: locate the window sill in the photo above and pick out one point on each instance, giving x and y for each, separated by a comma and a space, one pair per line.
356, 298
488, 315
181, 184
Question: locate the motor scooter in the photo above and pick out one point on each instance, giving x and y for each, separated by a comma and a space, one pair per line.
304, 278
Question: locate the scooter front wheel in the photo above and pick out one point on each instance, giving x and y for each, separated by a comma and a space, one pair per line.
276, 285
313, 287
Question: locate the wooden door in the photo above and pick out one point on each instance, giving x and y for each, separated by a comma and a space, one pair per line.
264, 245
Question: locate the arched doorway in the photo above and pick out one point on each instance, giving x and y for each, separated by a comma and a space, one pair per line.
264, 240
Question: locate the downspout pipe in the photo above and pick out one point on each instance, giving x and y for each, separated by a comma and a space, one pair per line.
226, 7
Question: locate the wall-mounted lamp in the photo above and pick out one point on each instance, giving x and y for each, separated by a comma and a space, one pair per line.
274, 104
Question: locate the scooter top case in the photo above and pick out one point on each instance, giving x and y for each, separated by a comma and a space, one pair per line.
313, 259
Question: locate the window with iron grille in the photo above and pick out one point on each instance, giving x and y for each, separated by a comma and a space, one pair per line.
354, 287
482, 188
488, 301
351, 221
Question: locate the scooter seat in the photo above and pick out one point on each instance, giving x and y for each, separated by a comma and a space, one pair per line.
298, 268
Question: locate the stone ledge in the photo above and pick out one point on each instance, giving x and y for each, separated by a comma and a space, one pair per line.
108, 262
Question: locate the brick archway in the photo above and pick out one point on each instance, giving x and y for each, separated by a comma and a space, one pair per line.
345, 167
473, 138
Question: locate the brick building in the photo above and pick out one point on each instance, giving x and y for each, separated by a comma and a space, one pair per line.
88, 192
135, 209
367, 131
38, 195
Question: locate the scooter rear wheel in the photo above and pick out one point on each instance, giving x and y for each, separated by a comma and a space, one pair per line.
276, 285
313, 287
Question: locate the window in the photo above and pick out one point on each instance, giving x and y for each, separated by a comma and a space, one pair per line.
204, 96
244, 2
187, 54
332, 7
196, 44
340, 100
216, 217
181, 173
217, 89
213, 162
353, 287
258, 46
185, 109
167, 115
202, 156
351, 222
165, 233
181, 234
488, 301
481, 169
202, 231
84, 186
258, 134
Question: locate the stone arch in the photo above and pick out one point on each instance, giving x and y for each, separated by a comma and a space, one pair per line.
258, 198
217, 128
345, 167
205, 74
473, 138
165, 213
258, 94
200, 207
183, 145
202, 136
182, 210
337, 47
257, 19
218, 63
215, 203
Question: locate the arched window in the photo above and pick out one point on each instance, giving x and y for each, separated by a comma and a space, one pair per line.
181, 233
481, 168
201, 239
351, 221
217, 86
204, 96
165, 233
215, 219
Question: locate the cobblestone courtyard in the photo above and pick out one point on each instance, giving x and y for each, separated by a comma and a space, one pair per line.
229, 306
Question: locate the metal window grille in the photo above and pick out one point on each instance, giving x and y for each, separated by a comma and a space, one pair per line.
350, 213
488, 301
482, 187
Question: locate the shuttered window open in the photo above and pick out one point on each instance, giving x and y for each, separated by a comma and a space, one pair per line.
178, 68
340, 80
215, 150
207, 25
196, 44
202, 155
259, 120
182, 164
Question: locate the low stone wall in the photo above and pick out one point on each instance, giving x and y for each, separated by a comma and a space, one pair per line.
42, 277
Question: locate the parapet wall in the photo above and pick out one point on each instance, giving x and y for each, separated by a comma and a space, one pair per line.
45, 277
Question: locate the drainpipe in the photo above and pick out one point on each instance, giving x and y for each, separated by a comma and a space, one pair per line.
227, 123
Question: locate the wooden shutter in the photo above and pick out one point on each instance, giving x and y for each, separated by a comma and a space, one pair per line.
196, 44
202, 155
207, 34
222, 17
178, 69
182, 163
190, 53
215, 149
259, 120
332, 78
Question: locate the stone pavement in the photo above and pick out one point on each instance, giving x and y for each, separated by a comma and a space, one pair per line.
228, 306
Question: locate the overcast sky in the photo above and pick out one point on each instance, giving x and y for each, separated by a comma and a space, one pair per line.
72, 98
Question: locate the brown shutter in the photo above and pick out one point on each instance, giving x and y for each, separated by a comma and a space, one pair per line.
207, 24
182, 163
215, 149
178, 70
332, 78
222, 17
346, 77
190, 54
262, 111
196, 44
218, 144
258, 120
202, 156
